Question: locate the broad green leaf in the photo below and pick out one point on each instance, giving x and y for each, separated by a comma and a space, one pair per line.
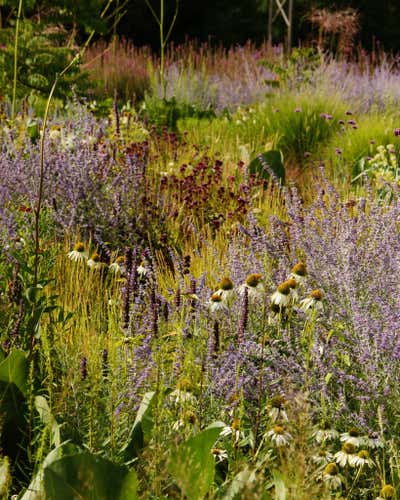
192, 464
142, 427
14, 370
88, 477
280, 486
243, 479
47, 418
35, 490
5, 477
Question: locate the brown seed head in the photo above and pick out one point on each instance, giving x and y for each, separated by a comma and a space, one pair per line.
300, 269
225, 284
349, 448
331, 469
253, 280
284, 288
316, 294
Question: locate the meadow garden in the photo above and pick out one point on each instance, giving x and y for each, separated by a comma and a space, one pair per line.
199, 275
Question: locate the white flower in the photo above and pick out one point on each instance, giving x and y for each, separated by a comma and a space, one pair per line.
232, 430
141, 270
362, 458
353, 437
312, 303
373, 441
299, 273
226, 289
95, 262
117, 267
322, 435
254, 286
346, 455
279, 436
281, 297
322, 458
78, 254
331, 477
179, 396
277, 412
220, 455
216, 302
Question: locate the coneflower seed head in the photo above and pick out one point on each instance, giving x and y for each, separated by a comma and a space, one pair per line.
226, 284
331, 469
253, 280
299, 269
284, 288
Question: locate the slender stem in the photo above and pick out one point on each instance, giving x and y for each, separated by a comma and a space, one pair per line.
14, 95
38, 208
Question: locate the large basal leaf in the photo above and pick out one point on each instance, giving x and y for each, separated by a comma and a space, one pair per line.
14, 370
35, 490
243, 479
48, 419
265, 163
192, 464
89, 477
141, 429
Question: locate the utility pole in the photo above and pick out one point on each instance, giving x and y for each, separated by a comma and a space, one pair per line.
283, 9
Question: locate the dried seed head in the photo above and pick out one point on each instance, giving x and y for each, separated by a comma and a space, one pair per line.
279, 429
79, 247
349, 448
316, 294
253, 280
95, 257
216, 297
300, 269
284, 288
278, 401
225, 284
331, 469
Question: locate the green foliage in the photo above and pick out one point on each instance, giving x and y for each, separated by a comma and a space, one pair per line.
42, 54
167, 112
192, 464
142, 427
88, 476
297, 69
272, 159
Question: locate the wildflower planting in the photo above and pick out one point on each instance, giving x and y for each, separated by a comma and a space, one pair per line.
206, 307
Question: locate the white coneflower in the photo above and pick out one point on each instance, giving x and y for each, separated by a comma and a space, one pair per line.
281, 296
78, 254
346, 455
220, 455
216, 302
373, 441
254, 286
277, 412
326, 434
141, 270
117, 267
362, 458
299, 273
188, 417
95, 261
323, 457
279, 436
353, 436
294, 294
226, 288
312, 303
232, 430
331, 477
180, 396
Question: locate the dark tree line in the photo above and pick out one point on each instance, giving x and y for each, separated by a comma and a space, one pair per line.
235, 21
